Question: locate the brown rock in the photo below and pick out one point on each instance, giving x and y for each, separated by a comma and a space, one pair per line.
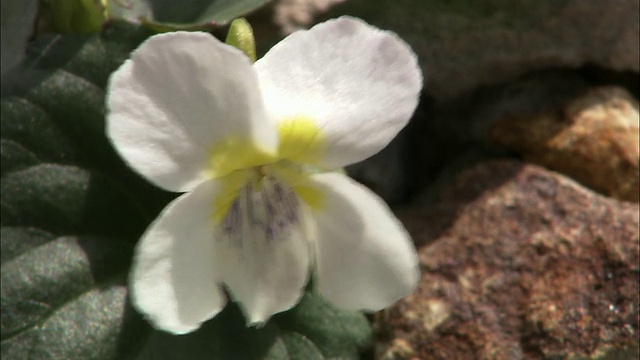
464, 44
593, 139
519, 263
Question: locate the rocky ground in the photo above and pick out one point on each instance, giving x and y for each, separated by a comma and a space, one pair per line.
517, 177
519, 262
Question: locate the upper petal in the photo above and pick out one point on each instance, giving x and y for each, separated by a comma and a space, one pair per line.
263, 250
365, 258
174, 281
358, 83
180, 104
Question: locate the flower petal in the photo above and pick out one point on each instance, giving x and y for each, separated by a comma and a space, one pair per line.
358, 83
174, 281
264, 252
365, 258
180, 104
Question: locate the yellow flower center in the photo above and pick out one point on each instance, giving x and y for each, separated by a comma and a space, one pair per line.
238, 162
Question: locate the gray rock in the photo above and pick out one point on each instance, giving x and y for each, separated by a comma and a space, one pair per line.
462, 45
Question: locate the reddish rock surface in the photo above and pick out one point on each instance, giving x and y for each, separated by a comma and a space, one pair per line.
593, 138
519, 263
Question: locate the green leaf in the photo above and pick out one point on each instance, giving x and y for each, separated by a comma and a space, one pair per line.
312, 330
72, 16
16, 25
72, 212
190, 15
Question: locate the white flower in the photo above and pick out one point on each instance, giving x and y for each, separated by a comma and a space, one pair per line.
245, 142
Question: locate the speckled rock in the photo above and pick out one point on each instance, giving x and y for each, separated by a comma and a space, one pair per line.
593, 139
519, 263
463, 44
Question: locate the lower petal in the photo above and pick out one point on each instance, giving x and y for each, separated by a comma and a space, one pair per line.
174, 280
365, 259
263, 251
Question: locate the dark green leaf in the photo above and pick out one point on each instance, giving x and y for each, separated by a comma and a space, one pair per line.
71, 16
300, 347
18, 17
192, 15
335, 332
71, 210
312, 330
